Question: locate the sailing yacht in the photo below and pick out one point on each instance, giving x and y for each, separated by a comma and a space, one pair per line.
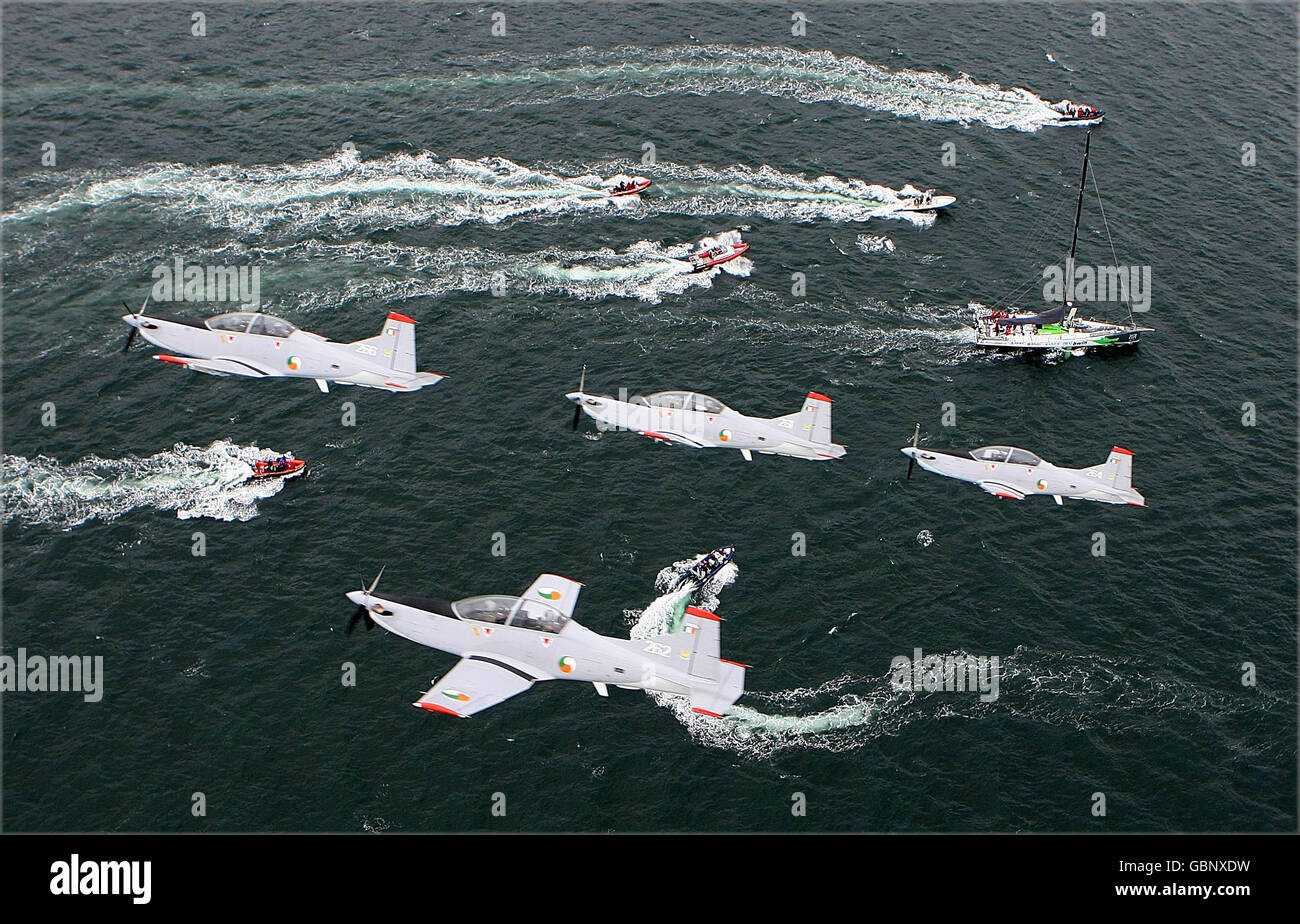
1060, 327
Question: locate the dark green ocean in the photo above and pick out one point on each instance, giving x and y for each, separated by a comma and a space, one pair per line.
369, 158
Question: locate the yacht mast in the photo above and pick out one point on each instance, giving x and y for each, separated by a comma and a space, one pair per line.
1078, 210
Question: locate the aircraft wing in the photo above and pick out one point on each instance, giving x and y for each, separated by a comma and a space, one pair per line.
670, 438
559, 592
476, 683
213, 366
1001, 490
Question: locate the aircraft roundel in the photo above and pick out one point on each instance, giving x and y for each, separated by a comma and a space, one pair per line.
567, 665
456, 695
547, 593
724, 435
1042, 485
293, 362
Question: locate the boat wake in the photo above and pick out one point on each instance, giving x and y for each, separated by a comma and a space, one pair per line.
1081, 691
600, 74
647, 270
783, 73
874, 243
193, 481
347, 194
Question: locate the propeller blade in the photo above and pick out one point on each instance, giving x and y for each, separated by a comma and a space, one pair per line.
577, 414
911, 463
359, 614
135, 331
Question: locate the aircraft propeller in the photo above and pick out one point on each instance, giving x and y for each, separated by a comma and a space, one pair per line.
135, 331
911, 460
577, 408
362, 611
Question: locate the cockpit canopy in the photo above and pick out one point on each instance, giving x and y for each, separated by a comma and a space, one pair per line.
686, 400
512, 611
251, 322
1006, 454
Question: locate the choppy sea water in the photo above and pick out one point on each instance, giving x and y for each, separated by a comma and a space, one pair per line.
467, 163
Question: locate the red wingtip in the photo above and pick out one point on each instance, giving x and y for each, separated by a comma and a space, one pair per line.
714, 715
729, 661
394, 316
171, 359
816, 396
434, 707
1122, 450
703, 614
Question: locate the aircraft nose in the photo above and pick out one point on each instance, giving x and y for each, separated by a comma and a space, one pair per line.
357, 596
909, 451
574, 396
131, 319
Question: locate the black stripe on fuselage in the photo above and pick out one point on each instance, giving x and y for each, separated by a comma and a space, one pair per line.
959, 453
240, 362
428, 604
504, 666
188, 322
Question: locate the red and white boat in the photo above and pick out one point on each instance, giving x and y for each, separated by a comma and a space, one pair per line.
716, 253
623, 185
289, 468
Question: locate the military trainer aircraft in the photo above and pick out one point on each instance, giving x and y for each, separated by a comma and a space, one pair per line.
1005, 471
261, 346
506, 644
697, 420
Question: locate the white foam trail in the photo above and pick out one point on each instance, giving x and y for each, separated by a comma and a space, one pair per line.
871, 243
805, 76
347, 194
193, 481
846, 712
647, 270
599, 74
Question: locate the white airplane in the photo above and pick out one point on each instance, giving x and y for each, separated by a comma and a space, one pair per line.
257, 345
1005, 471
702, 422
506, 644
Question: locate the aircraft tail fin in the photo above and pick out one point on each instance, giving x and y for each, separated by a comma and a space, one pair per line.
395, 344
813, 421
1117, 472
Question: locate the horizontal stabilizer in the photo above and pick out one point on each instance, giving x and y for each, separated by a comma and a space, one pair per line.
715, 699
